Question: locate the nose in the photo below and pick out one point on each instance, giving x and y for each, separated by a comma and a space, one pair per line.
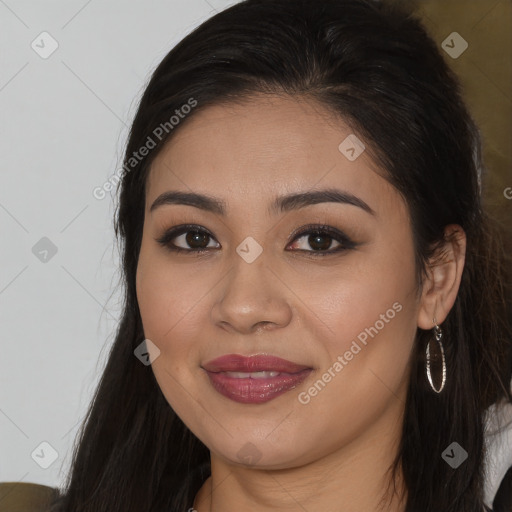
252, 298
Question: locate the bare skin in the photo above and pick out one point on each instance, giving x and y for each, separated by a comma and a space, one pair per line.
330, 452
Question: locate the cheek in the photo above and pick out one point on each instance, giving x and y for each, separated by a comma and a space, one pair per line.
172, 301
367, 316
158, 301
168, 316
363, 291
166, 296
154, 299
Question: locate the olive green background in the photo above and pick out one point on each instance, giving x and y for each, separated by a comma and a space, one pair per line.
485, 71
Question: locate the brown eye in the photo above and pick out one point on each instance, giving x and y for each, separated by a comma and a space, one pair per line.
187, 239
197, 239
318, 240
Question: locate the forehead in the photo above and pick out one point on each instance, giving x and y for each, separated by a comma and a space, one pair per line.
249, 150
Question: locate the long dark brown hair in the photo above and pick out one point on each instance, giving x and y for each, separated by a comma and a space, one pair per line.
373, 64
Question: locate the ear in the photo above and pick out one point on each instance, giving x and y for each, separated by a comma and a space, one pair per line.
444, 272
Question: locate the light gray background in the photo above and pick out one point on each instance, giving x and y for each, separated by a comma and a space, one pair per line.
64, 121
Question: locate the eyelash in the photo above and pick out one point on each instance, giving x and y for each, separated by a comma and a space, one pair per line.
344, 240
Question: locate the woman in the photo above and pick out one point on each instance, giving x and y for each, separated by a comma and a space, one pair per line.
317, 306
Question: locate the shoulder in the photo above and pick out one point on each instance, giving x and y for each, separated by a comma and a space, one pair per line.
26, 497
498, 455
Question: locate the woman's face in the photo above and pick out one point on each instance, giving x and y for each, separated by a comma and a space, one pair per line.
341, 304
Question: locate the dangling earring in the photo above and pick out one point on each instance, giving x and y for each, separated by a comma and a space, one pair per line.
435, 357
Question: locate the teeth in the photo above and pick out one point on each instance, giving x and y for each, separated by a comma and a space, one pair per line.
252, 375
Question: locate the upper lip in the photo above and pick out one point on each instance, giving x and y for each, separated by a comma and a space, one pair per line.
255, 363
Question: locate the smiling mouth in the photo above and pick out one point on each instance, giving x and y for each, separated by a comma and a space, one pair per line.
256, 379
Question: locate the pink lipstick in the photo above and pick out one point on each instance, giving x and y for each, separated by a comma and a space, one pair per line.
255, 379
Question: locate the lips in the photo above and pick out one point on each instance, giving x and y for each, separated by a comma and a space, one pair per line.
258, 363
256, 379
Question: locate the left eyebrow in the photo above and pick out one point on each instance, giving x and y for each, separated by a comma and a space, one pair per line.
329, 195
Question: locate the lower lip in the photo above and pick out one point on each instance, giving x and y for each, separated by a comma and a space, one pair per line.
255, 391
